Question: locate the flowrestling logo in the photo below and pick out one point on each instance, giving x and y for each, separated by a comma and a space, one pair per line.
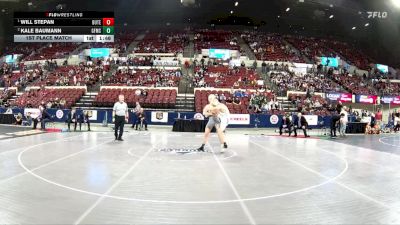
377, 14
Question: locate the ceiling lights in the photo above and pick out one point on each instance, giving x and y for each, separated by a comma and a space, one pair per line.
396, 3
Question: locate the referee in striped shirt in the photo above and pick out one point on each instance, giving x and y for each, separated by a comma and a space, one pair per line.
120, 116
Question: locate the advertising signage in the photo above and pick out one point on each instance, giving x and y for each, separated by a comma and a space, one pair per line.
367, 99
99, 52
382, 68
395, 100
343, 97
328, 61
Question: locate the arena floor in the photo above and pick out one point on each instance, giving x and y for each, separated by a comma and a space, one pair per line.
154, 178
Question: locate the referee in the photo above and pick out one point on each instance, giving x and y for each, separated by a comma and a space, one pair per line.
120, 115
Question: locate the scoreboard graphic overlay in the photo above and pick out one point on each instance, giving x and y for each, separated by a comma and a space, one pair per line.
63, 26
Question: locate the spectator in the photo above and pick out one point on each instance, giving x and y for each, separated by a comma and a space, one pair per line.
86, 117
236, 101
18, 119
28, 120
343, 121
222, 98
44, 117
378, 115
141, 120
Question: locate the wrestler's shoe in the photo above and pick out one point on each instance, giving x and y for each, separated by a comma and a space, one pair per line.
201, 149
223, 147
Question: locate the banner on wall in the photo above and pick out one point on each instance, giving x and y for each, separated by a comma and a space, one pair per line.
159, 117
235, 62
312, 120
396, 100
92, 114
343, 97
239, 119
33, 112
366, 99
391, 100
166, 62
366, 119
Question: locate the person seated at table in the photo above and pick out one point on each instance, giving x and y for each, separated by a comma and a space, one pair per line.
141, 120
36, 120
86, 117
79, 118
286, 123
370, 129
376, 129
18, 119
300, 123
72, 117
28, 120
69, 119
44, 117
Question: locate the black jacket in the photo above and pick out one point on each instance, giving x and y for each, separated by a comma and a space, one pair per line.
303, 121
69, 116
77, 116
45, 114
285, 121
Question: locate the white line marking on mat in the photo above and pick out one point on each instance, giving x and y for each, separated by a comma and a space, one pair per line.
49, 142
305, 189
235, 191
389, 137
323, 176
30, 171
99, 200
